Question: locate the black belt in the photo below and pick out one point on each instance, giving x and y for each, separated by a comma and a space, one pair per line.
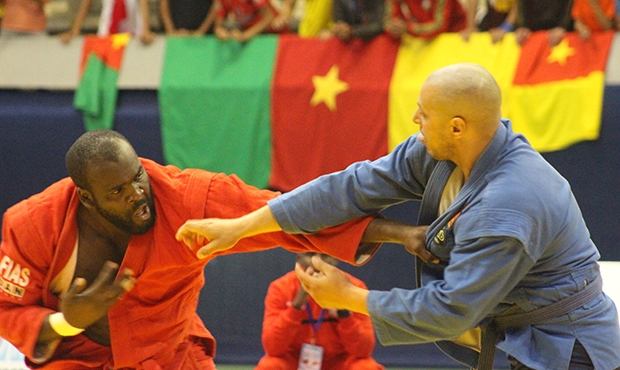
491, 331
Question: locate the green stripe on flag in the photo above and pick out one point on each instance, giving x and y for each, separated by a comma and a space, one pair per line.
96, 95
214, 100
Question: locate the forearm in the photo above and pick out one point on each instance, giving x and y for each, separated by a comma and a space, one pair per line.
80, 17
164, 11
602, 19
144, 8
266, 18
258, 222
209, 20
47, 342
381, 230
354, 299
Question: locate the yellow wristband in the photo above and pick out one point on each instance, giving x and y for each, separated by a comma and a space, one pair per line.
61, 326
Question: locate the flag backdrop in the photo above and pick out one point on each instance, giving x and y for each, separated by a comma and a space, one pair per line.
97, 92
281, 110
215, 105
556, 98
329, 106
417, 58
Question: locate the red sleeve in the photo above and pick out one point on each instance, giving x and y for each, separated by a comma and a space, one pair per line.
282, 323
356, 333
230, 197
21, 280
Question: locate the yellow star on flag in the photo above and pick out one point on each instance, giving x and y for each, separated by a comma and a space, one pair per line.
120, 39
327, 87
560, 53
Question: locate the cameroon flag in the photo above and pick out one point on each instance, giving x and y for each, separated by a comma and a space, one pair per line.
556, 98
553, 96
97, 92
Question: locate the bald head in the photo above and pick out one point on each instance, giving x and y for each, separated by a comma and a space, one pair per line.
92, 148
469, 91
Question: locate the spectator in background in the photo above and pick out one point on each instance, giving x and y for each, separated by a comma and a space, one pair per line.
288, 15
188, 17
357, 19
241, 20
497, 17
535, 15
593, 16
317, 18
294, 321
425, 18
117, 16
617, 16
23, 17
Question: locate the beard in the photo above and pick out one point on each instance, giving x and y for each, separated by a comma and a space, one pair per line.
125, 222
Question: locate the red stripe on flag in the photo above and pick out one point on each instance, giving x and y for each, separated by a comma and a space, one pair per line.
329, 106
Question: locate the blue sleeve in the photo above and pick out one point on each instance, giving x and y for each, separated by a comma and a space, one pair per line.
364, 188
480, 274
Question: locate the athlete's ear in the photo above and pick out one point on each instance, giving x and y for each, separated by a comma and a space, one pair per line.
85, 197
458, 125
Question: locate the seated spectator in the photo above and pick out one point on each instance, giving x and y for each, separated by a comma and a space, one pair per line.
296, 327
189, 17
130, 16
497, 17
243, 19
426, 18
535, 15
288, 15
593, 16
357, 19
23, 17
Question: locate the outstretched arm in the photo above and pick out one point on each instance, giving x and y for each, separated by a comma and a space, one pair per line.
223, 234
214, 235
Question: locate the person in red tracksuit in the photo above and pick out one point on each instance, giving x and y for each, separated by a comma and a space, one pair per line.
296, 328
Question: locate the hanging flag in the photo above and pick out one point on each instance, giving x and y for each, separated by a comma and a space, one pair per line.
557, 95
214, 102
97, 92
329, 106
417, 58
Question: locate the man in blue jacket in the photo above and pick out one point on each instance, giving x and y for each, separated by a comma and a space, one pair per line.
516, 269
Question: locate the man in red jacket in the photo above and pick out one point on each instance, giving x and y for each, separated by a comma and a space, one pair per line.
296, 330
92, 277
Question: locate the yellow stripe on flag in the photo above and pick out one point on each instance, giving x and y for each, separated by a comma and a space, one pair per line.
555, 115
418, 58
